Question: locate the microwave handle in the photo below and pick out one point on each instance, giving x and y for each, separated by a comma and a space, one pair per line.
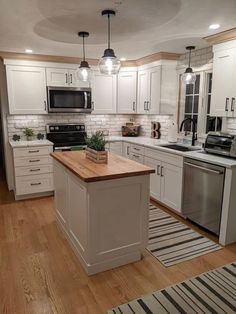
85, 100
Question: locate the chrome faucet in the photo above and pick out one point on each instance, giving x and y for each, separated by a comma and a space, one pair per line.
194, 137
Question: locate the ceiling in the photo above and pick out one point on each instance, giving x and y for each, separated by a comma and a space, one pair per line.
140, 27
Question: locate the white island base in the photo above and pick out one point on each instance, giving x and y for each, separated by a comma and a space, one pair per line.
106, 222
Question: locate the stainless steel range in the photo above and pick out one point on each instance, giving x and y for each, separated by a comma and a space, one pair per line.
66, 137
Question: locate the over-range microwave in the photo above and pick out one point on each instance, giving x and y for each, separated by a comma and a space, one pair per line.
69, 99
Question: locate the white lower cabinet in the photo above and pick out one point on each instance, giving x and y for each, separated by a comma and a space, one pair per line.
116, 148
166, 183
33, 171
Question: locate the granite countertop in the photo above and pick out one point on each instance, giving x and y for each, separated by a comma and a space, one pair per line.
22, 144
88, 171
157, 144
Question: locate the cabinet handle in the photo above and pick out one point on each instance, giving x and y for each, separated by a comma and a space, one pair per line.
71, 79
92, 104
232, 104
33, 151
33, 170
136, 156
45, 105
66, 78
34, 160
147, 106
162, 175
138, 149
128, 150
158, 170
226, 104
38, 183
134, 106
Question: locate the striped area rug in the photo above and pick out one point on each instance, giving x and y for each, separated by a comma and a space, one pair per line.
172, 242
211, 292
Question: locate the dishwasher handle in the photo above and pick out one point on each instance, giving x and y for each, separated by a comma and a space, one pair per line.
204, 168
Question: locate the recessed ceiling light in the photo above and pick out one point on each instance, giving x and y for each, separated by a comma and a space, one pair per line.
214, 26
28, 50
122, 59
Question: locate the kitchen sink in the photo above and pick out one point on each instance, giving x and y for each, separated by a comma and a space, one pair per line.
181, 147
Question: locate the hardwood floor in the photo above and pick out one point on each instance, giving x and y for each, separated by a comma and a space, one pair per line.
40, 274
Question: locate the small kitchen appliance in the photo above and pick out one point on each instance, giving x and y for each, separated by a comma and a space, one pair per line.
172, 131
66, 137
221, 144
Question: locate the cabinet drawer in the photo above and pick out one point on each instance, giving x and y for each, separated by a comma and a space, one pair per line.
25, 171
137, 149
32, 161
137, 157
34, 184
166, 157
32, 151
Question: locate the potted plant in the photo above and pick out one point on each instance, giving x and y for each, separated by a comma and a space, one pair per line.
95, 149
29, 133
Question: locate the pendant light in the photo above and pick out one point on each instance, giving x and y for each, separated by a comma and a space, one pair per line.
189, 77
84, 71
109, 64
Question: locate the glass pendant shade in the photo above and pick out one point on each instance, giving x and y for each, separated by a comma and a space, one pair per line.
189, 77
109, 64
84, 72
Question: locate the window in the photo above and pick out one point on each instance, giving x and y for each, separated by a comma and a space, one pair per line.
195, 103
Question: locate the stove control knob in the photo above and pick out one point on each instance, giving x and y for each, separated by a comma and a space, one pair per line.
51, 128
57, 128
82, 127
78, 127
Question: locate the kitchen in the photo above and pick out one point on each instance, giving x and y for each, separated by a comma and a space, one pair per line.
51, 261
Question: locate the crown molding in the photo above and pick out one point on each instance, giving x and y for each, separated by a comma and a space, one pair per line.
62, 59
221, 37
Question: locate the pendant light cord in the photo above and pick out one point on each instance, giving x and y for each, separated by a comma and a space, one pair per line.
189, 57
83, 50
109, 30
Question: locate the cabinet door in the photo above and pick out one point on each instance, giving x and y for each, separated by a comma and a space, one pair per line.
142, 91
127, 150
58, 77
126, 93
153, 104
171, 186
155, 178
26, 90
222, 80
104, 93
60, 184
116, 148
74, 81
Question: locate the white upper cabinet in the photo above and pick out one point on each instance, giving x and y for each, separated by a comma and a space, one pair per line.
26, 89
223, 80
143, 91
126, 92
62, 77
104, 93
157, 90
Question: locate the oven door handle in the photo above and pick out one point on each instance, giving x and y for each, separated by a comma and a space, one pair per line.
63, 148
203, 168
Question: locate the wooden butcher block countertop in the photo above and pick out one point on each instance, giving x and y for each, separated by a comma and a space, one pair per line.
88, 171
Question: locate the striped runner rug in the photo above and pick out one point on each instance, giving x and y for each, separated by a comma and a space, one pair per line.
172, 242
211, 292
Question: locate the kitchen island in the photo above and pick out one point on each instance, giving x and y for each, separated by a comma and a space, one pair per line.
102, 208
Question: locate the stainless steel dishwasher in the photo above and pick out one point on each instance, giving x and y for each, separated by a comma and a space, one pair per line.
203, 193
